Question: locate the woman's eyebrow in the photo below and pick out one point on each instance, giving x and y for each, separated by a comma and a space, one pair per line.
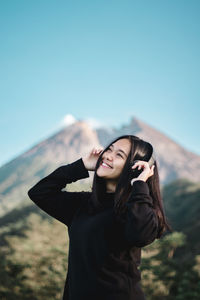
119, 150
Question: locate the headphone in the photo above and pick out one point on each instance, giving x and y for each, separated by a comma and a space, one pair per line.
136, 172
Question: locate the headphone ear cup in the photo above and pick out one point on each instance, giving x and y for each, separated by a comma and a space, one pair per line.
135, 172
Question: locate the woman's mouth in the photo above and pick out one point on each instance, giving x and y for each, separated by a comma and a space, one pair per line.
105, 165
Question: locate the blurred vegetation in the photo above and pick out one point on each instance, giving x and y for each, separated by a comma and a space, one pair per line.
34, 252
166, 275
33, 256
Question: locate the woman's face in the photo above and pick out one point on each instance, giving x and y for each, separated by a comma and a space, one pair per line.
114, 159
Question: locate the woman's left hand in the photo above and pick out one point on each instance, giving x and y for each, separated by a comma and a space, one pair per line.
147, 171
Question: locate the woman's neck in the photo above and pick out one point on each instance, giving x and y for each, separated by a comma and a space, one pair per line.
110, 186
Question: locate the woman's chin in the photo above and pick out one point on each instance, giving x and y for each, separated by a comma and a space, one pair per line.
101, 173
104, 172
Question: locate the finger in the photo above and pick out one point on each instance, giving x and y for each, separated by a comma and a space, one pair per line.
152, 170
135, 164
139, 164
100, 150
94, 151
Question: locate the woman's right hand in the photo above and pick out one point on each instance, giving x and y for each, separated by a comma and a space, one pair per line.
90, 159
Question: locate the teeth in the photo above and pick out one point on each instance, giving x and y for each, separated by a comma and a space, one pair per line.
105, 165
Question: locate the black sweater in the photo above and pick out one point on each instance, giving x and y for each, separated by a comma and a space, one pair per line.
104, 253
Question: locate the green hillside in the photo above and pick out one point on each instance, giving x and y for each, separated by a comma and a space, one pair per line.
182, 204
33, 255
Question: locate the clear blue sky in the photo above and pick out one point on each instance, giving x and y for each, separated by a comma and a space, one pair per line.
105, 60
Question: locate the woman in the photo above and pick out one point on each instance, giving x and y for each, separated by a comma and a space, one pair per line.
108, 226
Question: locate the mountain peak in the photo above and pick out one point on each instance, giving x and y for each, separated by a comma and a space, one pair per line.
136, 124
68, 120
77, 139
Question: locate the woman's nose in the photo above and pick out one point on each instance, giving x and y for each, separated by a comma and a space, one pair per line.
109, 156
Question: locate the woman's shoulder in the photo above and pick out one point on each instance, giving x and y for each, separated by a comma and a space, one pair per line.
86, 194
81, 194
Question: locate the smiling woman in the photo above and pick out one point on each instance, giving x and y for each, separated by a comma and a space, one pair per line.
113, 161
108, 226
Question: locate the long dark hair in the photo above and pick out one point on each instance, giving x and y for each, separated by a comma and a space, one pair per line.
140, 150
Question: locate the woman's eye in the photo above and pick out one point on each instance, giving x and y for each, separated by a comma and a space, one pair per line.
119, 155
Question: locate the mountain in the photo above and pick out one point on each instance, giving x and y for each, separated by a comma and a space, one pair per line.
72, 142
17, 176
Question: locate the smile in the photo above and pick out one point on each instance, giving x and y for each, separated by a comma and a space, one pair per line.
104, 165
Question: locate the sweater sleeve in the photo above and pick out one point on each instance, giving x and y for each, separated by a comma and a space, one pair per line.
48, 194
140, 221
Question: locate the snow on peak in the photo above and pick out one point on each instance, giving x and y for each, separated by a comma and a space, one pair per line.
68, 120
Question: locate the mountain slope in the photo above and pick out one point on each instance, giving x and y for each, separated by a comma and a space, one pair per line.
17, 176
74, 141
